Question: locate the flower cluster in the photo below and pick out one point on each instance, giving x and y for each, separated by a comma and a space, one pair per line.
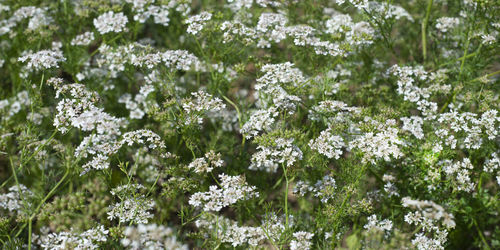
16, 199
492, 165
196, 22
301, 241
229, 231
11, 106
328, 144
139, 104
298, 124
84, 39
384, 145
43, 59
199, 104
272, 84
134, 209
268, 158
324, 188
208, 163
431, 218
37, 19
375, 224
232, 189
260, 120
89, 239
459, 173
150, 236
444, 24
110, 22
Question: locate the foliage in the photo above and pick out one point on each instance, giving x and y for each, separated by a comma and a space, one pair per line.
311, 124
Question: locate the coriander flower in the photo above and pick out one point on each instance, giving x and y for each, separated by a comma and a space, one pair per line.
233, 189
110, 22
197, 22
43, 59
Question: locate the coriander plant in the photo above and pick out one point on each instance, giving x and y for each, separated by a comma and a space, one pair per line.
241, 124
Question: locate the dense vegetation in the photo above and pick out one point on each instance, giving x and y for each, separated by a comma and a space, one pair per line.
266, 124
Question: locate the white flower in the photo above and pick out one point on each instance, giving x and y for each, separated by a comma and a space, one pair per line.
233, 189
302, 241
374, 223
150, 237
12, 200
383, 145
229, 231
328, 144
197, 22
492, 164
203, 102
89, 239
83, 39
444, 24
181, 60
99, 162
270, 86
43, 59
413, 125
208, 163
488, 39
269, 158
132, 209
338, 24
429, 210
110, 22
323, 188
389, 11
459, 173
261, 120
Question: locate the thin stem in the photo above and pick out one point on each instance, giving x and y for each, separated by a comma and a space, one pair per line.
43, 202
481, 235
29, 235
462, 64
240, 123
17, 183
51, 192
348, 194
39, 149
416, 230
424, 28
459, 59
41, 81
154, 184
467, 43
286, 195
486, 76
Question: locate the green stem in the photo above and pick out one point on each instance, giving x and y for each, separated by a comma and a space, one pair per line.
462, 64
481, 235
41, 203
424, 28
486, 76
51, 192
39, 149
17, 183
348, 194
416, 230
41, 81
240, 123
459, 59
154, 184
286, 195
467, 43
29, 236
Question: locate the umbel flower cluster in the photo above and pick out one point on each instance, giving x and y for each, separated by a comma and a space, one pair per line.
250, 124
